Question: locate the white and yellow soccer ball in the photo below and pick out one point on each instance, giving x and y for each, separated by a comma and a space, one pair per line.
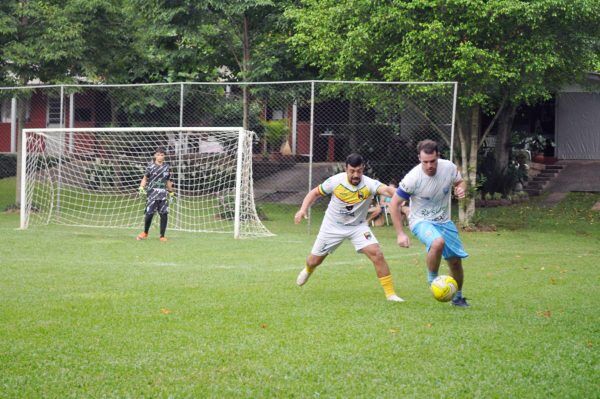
443, 288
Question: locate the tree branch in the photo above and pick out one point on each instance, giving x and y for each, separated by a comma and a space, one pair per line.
442, 134
493, 122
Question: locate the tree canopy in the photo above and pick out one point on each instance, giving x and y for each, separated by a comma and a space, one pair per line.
502, 52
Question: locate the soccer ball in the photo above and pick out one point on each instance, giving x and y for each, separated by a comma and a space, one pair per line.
443, 288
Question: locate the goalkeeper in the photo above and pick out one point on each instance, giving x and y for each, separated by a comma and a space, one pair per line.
157, 185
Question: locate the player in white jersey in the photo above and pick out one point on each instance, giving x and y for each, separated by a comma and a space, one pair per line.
351, 194
428, 186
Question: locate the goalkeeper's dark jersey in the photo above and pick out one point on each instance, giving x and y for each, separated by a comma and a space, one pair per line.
157, 177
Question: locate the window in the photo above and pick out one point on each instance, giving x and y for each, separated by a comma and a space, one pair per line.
6, 105
53, 116
5, 110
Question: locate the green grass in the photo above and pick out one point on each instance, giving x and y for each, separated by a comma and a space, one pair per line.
94, 313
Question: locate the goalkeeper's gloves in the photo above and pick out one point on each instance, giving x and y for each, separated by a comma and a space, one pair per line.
171, 196
142, 191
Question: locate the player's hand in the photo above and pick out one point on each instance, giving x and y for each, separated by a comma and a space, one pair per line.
171, 196
459, 191
142, 191
403, 240
299, 216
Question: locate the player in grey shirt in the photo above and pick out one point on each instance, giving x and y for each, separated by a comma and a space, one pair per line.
158, 186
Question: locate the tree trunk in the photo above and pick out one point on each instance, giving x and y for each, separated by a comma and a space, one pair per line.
469, 142
502, 150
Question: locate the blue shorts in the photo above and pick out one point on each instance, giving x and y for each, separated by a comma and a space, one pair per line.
427, 232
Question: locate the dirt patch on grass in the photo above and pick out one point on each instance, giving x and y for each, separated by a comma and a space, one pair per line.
474, 228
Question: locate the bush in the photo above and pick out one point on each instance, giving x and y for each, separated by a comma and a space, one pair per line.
8, 165
504, 181
276, 132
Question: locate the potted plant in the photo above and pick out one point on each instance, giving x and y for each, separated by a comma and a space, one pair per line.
275, 134
539, 146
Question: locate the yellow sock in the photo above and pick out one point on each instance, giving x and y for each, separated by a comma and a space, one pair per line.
388, 285
309, 269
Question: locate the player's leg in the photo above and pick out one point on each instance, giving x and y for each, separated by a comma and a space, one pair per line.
456, 270
312, 261
163, 211
151, 207
453, 253
325, 244
364, 241
428, 234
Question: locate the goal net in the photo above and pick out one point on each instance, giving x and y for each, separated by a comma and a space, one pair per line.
91, 176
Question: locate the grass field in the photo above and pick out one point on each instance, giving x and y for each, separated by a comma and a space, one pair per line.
94, 313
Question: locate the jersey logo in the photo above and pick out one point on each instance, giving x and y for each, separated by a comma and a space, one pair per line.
351, 197
367, 235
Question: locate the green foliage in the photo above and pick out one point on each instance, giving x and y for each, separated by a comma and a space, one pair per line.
275, 132
500, 51
501, 181
537, 144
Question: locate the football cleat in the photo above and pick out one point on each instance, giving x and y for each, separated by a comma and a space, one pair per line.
394, 298
302, 277
163, 239
141, 236
460, 302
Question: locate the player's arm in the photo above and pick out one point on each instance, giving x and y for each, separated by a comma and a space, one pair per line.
396, 214
460, 189
143, 183
386, 190
310, 199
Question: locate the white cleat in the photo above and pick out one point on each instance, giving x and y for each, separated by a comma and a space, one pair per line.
302, 277
395, 298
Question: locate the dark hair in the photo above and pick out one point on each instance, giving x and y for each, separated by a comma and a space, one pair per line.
160, 150
428, 147
354, 160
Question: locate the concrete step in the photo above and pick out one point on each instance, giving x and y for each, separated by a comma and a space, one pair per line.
532, 192
554, 167
536, 184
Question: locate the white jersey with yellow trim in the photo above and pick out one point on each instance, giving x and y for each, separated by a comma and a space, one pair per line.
349, 204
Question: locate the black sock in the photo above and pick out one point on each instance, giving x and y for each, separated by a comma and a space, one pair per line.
163, 223
148, 222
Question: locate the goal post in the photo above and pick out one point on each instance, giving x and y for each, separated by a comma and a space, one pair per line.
90, 177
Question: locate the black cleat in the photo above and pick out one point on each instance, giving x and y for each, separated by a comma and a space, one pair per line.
460, 302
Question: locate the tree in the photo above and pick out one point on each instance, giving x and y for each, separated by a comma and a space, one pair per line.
502, 53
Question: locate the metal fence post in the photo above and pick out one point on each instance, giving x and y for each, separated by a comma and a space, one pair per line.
179, 152
311, 140
71, 121
13, 124
61, 121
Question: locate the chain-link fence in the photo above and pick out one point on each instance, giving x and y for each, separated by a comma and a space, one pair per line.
304, 130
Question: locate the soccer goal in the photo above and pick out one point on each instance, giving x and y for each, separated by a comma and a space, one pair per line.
90, 177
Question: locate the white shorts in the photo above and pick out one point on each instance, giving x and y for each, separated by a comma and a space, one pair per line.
329, 239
